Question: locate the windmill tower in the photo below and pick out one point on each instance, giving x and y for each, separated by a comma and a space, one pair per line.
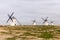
12, 20
52, 23
34, 22
45, 21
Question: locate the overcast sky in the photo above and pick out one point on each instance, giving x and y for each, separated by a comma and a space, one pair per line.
27, 10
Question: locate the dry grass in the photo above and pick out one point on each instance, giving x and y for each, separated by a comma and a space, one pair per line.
30, 32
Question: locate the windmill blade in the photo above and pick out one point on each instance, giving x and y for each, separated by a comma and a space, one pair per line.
11, 19
18, 22
12, 13
34, 20
46, 18
8, 15
8, 20
51, 21
42, 18
44, 22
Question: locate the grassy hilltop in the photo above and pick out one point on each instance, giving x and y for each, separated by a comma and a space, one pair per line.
30, 32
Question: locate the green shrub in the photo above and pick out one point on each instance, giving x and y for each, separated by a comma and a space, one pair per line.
46, 35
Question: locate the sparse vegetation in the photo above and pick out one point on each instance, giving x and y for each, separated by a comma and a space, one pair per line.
46, 35
11, 38
39, 31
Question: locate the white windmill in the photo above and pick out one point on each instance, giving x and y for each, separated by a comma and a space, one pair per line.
52, 23
12, 20
34, 22
45, 21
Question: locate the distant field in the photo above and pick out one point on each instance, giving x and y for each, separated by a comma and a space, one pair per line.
30, 32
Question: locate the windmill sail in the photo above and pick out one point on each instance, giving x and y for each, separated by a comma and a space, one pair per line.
45, 21
18, 22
